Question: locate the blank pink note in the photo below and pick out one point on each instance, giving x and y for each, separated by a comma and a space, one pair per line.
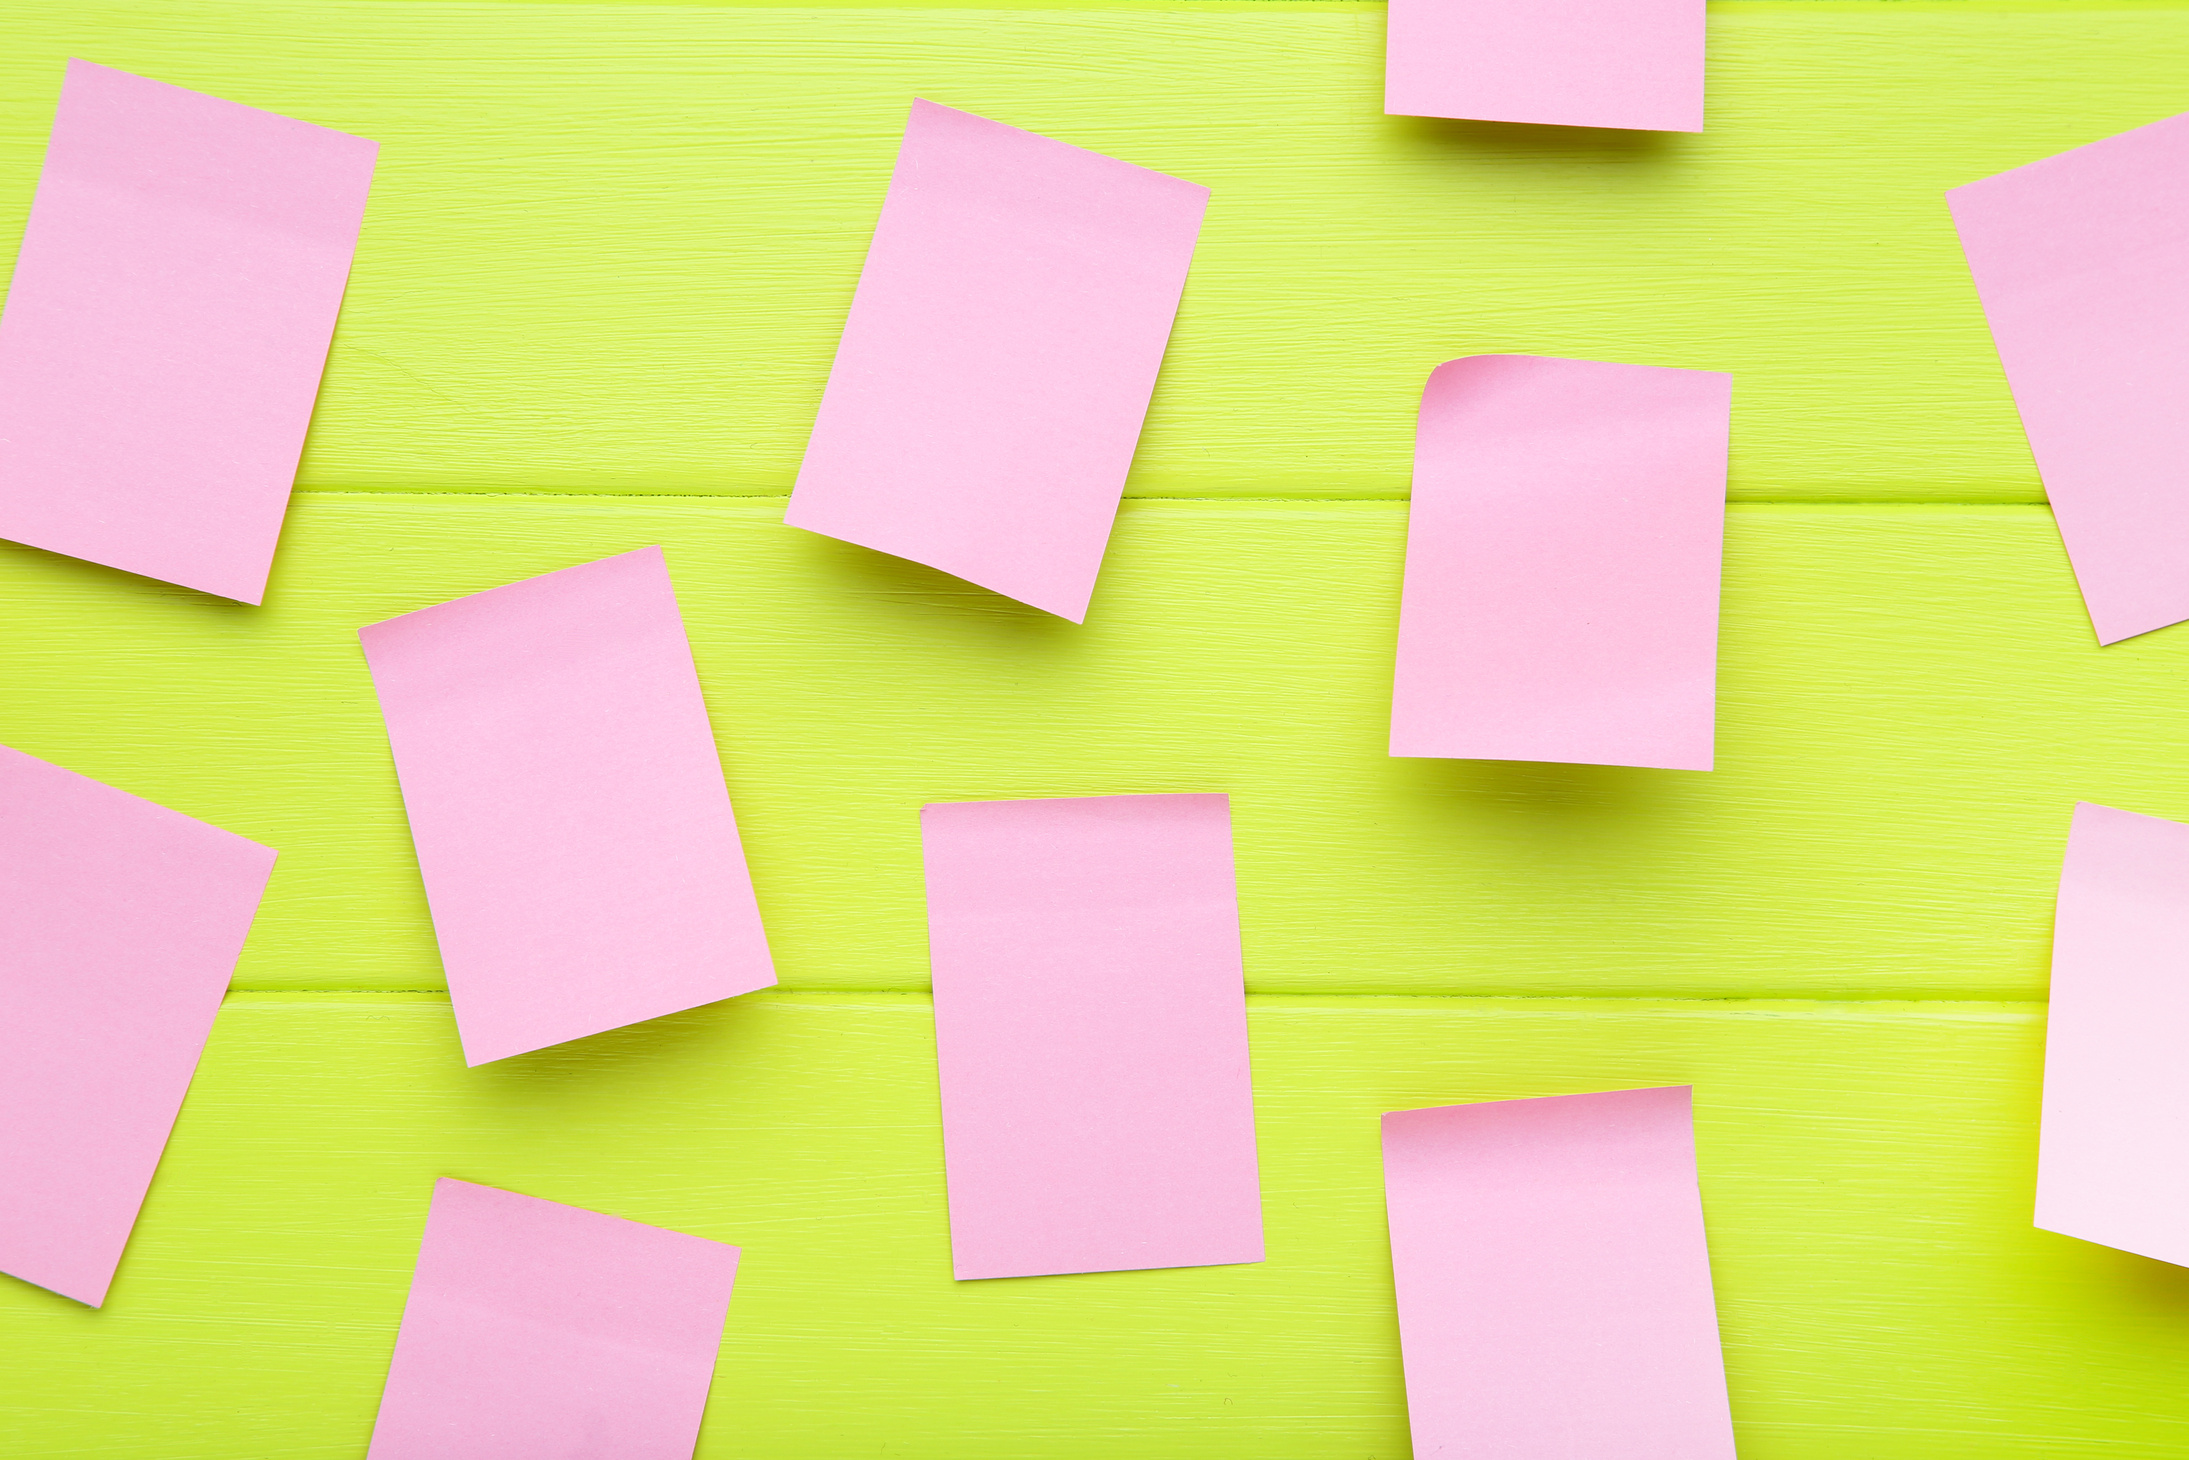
1572, 63
1553, 1281
167, 325
992, 378
536, 1329
2078, 260
1090, 1021
122, 923
2113, 1156
567, 804
1561, 598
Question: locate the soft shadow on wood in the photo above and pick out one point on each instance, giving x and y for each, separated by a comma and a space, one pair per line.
116, 589
1550, 789
845, 568
1523, 141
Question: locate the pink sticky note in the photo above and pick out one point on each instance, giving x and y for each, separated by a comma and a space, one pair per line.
2078, 261
567, 804
1090, 1022
1572, 63
536, 1329
989, 388
1561, 598
123, 921
1553, 1282
2113, 1156
167, 325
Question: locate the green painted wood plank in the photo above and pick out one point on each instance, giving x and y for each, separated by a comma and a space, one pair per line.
1911, 701
611, 246
1866, 1173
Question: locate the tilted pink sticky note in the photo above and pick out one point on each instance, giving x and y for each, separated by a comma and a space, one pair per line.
567, 804
2113, 1155
1553, 1280
122, 923
992, 378
2078, 261
1561, 598
1090, 1024
1573, 63
536, 1329
167, 325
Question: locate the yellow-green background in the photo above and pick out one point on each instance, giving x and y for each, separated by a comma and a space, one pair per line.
606, 260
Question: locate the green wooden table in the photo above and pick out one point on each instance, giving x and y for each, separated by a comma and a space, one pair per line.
602, 275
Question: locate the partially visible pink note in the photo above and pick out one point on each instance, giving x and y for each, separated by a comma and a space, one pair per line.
535, 1329
1561, 598
2113, 1155
1571, 63
567, 804
167, 325
120, 922
990, 385
1553, 1281
1090, 1022
2078, 261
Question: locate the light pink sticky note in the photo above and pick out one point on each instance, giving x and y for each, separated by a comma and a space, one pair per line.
120, 922
1090, 1022
2078, 261
1553, 1281
1561, 597
536, 1329
2113, 1154
167, 325
1572, 63
992, 378
566, 800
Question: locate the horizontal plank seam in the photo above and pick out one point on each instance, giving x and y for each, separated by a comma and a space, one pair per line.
1228, 498
1698, 1000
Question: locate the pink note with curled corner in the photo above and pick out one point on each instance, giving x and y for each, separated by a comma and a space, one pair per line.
535, 1329
2077, 259
2113, 1149
166, 328
566, 800
1553, 1280
995, 369
1562, 555
1090, 1027
121, 924
1572, 63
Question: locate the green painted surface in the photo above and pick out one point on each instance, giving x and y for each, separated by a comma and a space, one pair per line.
605, 265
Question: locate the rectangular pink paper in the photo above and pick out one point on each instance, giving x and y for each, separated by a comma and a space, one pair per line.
536, 1329
1090, 1024
168, 321
1571, 63
992, 378
1561, 598
2078, 261
567, 804
1553, 1281
122, 923
2113, 1154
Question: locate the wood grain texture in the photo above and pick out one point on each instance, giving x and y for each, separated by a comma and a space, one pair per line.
610, 247
1866, 1173
1911, 703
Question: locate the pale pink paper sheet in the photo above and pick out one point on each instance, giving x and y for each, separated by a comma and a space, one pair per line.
1090, 1023
120, 922
993, 375
1574, 63
1562, 556
535, 1329
2078, 261
567, 804
1554, 1293
166, 328
2113, 1154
